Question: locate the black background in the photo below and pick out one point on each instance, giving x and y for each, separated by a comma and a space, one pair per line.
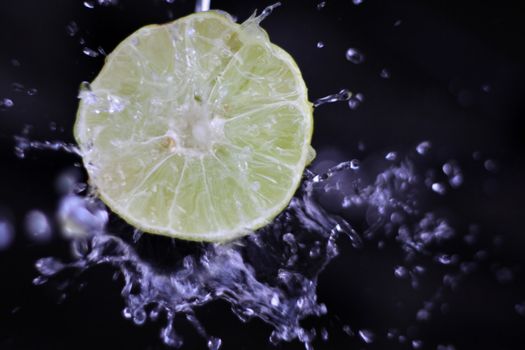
439, 57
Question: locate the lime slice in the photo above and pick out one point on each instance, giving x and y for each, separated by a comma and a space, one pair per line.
197, 129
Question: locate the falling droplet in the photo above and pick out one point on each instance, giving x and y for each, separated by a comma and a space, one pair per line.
486, 88
72, 28
491, 165
520, 308
348, 330
423, 148
401, 272
355, 101
417, 344
391, 156
37, 226
6, 234
214, 343
320, 44
354, 56
89, 52
366, 335
385, 73
439, 188
321, 5
6, 102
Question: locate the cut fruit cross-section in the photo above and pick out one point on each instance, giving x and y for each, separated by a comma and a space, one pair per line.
197, 129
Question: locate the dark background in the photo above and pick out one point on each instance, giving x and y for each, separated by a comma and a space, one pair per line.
457, 79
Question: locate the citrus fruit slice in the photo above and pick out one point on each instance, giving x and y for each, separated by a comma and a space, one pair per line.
197, 129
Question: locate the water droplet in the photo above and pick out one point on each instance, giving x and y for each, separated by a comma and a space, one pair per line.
366, 335
355, 164
37, 226
32, 91
107, 2
520, 308
214, 343
439, 188
343, 95
401, 272
89, 4
89, 52
324, 334
354, 56
49, 266
115, 104
397, 23
7, 234
423, 148
385, 73
391, 156
357, 2
392, 333
15, 63
468, 267
486, 88
445, 347
72, 28
491, 165
321, 5
320, 44
423, 315
126, 312
348, 330
38, 281
446, 259
17, 87
504, 275
6, 102
355, 101
417, 344
256, 186
315, 252
476, 155
139, 316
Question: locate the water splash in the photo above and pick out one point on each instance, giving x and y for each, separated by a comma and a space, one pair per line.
24, 144
272, 274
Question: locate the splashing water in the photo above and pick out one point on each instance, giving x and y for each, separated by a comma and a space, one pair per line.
272, 274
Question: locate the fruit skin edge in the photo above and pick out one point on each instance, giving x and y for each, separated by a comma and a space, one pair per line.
308, 154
